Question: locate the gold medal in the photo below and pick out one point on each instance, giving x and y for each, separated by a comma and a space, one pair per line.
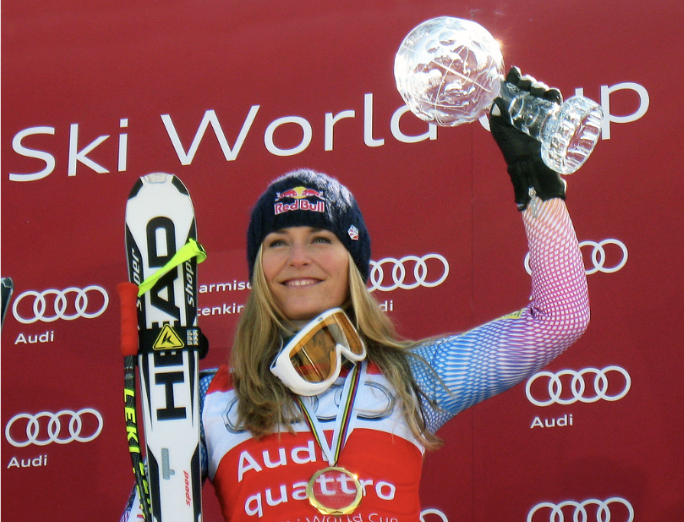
334, 491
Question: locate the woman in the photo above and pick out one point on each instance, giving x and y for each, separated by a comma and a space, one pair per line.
288, 438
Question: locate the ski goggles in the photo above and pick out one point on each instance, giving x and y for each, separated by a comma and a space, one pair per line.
311, 361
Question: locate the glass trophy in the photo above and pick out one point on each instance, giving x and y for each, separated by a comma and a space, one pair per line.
449, 71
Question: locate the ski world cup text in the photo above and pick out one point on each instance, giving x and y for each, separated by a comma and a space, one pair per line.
116, 156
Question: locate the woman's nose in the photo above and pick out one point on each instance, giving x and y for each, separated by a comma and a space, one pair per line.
299, 255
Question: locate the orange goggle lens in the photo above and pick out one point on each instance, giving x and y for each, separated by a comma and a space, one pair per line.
315, 356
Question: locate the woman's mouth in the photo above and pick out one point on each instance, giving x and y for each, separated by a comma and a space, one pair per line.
301, 282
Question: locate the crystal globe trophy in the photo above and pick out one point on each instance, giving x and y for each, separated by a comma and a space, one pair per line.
449, 71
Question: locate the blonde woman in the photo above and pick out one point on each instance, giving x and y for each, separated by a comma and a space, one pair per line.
323, 409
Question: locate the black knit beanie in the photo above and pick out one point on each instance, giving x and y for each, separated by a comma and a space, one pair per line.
309, 198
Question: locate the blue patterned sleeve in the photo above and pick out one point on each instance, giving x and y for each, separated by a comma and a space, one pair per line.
205, 380
465, 369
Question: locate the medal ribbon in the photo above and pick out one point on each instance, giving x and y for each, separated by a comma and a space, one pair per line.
343, 421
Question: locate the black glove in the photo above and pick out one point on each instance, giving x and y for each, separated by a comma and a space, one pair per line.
521, 152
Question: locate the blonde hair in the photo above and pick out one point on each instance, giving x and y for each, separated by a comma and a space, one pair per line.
265, 403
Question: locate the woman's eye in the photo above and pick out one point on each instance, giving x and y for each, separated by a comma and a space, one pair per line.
276, 243
322, 239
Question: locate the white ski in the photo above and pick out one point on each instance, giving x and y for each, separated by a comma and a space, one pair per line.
160, 220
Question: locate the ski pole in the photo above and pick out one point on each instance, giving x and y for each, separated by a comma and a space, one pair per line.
128, 294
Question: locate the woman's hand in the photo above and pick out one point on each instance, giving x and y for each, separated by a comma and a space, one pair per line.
530, 176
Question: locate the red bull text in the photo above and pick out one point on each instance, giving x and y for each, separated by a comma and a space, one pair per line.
299, 204
298, 194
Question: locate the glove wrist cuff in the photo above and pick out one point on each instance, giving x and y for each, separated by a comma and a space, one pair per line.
531, 173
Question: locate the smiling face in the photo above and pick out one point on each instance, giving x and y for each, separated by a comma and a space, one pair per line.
307, 271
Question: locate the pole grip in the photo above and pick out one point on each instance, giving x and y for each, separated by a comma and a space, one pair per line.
128, 295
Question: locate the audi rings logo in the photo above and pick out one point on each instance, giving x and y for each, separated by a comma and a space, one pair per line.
62, 427
614, 509
578, 389
68, 304
433, 511
599, 256
408, 273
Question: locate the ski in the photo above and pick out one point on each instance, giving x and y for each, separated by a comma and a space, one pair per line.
162, 255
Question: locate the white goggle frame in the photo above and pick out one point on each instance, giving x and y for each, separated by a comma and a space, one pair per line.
283, 367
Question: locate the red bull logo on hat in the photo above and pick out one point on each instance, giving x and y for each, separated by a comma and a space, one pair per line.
300, 203
299, 193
